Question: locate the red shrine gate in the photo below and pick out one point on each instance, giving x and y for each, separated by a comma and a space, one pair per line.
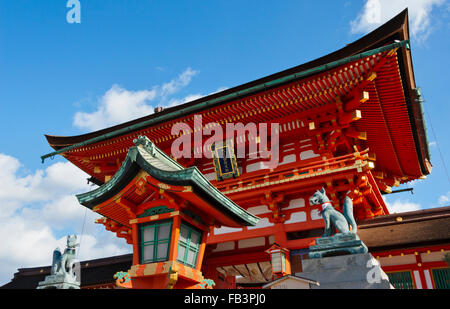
349, 122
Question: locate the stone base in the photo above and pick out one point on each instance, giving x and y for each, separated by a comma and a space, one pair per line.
338, 244
356, 271
58, 282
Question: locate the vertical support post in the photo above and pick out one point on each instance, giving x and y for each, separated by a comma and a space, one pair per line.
202, 250
174, 239
135, 235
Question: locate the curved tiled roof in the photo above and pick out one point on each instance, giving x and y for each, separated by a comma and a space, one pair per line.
394, 30
146, 156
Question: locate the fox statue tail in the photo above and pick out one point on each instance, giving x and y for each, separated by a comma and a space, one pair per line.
347, 211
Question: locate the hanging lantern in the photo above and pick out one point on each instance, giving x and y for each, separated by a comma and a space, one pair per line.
279, 257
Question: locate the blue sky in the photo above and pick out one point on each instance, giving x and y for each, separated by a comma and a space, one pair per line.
60, 78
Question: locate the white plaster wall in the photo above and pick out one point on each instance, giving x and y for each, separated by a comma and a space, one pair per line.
433, 256
263, 222
288, 159
251, 242
428, 279
417, 279
296, 203
256, 167
297, 217
315, 215
289, 146
210, 176
225, 230
224, 246
258, 210
308, 154
398, 260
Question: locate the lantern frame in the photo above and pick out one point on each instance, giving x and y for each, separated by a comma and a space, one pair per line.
279, 259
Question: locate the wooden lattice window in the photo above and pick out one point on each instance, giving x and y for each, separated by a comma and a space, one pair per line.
401, 279
441, 278
155, 241
189, 245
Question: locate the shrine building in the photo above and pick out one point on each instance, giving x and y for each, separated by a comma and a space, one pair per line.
350, 122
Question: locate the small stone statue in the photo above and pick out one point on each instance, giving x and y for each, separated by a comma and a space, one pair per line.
63, 263
333, 218
63, 271
341, 260
345, 240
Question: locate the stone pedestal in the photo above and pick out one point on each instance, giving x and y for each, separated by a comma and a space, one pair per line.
59, 282
338, 244
354, 271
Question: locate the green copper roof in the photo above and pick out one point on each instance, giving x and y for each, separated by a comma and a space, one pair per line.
146, 156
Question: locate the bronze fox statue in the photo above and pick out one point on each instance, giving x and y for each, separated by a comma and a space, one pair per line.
333, 218
64, 263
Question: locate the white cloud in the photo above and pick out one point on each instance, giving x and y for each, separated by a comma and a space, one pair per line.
119, 105
58, 212
176, 84
377, 12
38, 209
116, 106
444, 200
399, 206
192, 97
40, 186
189, 98
94, 246
28, 242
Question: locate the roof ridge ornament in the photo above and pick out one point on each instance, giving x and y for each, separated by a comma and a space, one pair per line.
146, 144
